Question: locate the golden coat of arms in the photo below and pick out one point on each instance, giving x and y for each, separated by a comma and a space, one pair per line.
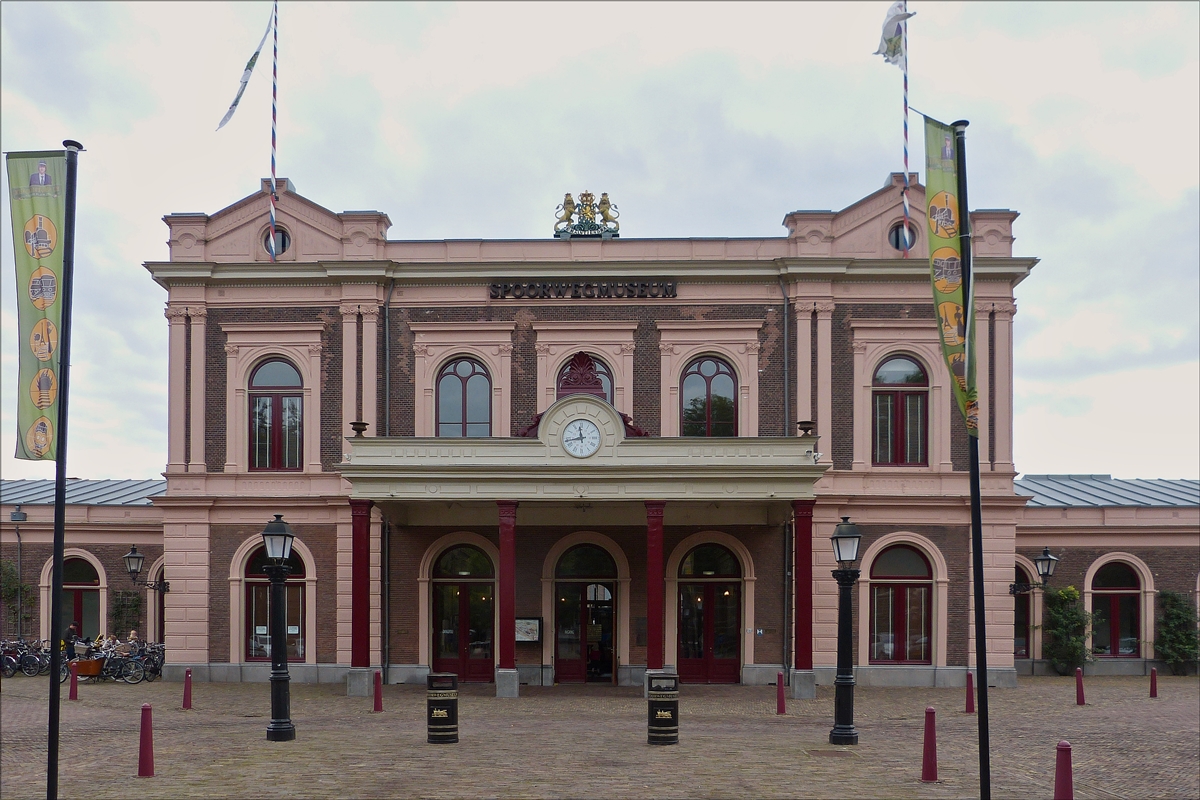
587, 217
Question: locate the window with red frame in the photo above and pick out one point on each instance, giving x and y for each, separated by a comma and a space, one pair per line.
1116, 610
464, 401
258, 618
709, 399
1021, 603
901, 607
899, 404
276, 417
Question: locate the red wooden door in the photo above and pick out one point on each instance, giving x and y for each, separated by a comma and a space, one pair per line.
463, 623
709, 624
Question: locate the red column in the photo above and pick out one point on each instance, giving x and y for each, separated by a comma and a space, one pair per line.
508, 584
803, 509
654, 584
360, 583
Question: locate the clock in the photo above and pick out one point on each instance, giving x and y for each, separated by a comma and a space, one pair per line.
581, 438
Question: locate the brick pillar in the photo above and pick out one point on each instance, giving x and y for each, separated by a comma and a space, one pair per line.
654, 583
507, 635
360, 583
803, 509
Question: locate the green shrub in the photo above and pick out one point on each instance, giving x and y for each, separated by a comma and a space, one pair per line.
1064, 632
1176, 641
125, 612
14, 594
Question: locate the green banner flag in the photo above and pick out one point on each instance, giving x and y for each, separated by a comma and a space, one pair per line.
955, 318
37, 195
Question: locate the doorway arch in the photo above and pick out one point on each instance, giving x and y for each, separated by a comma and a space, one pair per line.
96, 591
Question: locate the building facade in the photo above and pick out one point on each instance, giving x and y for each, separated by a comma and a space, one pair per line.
582, 457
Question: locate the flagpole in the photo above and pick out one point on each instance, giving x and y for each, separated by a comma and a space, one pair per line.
905, 192
981, 669
60, 473
274, 100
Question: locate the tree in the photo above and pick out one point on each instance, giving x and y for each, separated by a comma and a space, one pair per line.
1064, 642
1176, 640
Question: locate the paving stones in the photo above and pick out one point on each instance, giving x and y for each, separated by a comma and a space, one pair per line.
577, 741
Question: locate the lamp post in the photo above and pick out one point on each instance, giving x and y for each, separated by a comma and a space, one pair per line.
845, 541
1045, 564
133, 562
277, 537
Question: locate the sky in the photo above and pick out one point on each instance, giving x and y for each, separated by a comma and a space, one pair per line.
699, 119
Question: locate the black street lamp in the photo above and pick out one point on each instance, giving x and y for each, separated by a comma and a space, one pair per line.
1045, 564
845, 540
133, 562
277, 537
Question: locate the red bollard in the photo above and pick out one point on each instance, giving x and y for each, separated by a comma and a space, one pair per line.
146, 750
74, 667
187, 690
929, 758
378, 693
1154, 682
970, 692
1064, 783
780, 702
1079, 686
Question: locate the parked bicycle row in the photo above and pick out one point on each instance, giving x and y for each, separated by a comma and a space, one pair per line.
103, 659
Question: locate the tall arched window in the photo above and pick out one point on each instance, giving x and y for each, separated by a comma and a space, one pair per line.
1021, 605
585, 375
1117, 607
708, 395
900, 403
258, 618
276, 416
464, 401
901, 607
463, 610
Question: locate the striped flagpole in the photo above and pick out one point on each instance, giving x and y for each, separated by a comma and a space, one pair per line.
275, 97
905, 193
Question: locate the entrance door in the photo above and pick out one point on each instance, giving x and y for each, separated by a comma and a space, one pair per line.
463, 614
584, 633
709, 622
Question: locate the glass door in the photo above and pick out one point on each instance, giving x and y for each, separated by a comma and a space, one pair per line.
583, 631
709, 623
463, 615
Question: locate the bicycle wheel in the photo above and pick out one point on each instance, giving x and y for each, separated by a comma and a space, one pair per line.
153, 670
64, 671
30, 664
45, 666
132, 672
9, 667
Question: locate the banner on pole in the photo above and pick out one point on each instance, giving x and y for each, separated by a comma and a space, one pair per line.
955, 320
37, 197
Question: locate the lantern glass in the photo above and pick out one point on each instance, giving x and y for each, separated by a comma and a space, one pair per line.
845, 540
133, 562
1045, 564
277, 537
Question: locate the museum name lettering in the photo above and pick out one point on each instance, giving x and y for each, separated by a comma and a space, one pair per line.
583, 290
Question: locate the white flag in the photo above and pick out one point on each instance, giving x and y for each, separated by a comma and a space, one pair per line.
891, 43
246, 75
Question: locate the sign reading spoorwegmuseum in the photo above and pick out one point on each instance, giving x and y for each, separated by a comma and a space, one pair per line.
587, 290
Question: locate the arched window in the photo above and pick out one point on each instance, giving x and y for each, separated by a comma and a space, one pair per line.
585, 375
1021, 603
710, 613
1117, 607
464, 402
709, 399
901, 608
81, 597
258, 618
900, 403
276, 416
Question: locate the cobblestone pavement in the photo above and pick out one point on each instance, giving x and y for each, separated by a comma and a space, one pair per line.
590, 741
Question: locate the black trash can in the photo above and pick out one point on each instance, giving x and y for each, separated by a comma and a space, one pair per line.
662, 708
441, 707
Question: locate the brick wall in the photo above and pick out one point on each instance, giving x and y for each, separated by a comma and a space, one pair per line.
225, 539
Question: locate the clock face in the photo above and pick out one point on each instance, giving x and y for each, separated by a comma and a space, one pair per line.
581, 438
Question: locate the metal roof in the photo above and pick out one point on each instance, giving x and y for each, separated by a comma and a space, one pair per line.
1103, 490
82, 492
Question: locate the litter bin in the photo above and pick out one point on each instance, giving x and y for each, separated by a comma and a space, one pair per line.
662, 708
441, 707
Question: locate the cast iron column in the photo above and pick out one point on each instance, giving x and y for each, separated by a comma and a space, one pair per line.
281, 728
508, 584
843, 686
654, 583
360, 583
803, 511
